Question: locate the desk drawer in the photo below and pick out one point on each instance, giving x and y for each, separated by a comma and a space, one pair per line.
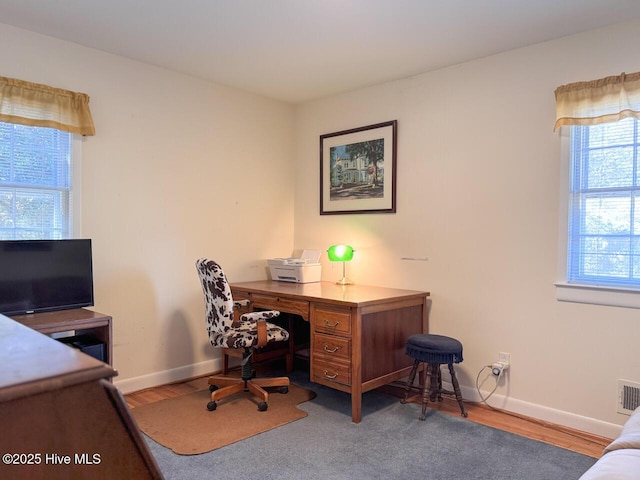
332, 321
287, 305
329, 371
331, 346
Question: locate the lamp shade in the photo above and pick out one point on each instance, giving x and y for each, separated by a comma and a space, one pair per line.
340, 253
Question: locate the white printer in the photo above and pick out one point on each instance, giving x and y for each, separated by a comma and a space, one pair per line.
306, 269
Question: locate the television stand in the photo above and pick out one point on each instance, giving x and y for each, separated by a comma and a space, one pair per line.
78, 320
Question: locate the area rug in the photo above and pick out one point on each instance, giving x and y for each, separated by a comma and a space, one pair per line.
390, 442
184, 425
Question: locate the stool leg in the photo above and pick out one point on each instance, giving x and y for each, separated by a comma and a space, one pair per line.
437, 394
412, 378
456, 389
429, 384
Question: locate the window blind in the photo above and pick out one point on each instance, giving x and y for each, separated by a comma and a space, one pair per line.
604, 223
35, 190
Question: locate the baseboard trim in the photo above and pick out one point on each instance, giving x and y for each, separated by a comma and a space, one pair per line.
540, 412
165, 377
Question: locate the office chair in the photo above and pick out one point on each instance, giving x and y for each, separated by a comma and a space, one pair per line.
249, 331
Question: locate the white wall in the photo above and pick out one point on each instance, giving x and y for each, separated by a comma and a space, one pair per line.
178, 169
478, 194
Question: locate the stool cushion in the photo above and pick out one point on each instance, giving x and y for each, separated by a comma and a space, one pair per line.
430, 348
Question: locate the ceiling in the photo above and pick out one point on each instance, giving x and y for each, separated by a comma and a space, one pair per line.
300, 50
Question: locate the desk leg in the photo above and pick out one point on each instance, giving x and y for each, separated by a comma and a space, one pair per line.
356, 367
356, 407
356, 401
289, 358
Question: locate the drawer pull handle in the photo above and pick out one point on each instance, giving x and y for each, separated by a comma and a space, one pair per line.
327, 324
330, 350
326, 374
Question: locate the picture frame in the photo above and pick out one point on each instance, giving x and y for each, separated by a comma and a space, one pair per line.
358, 170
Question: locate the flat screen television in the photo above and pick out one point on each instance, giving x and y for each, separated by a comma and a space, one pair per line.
45, 275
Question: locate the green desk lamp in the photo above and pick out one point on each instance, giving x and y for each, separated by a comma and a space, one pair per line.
344, 254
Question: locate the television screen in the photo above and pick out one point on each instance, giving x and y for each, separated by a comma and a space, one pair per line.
44, 275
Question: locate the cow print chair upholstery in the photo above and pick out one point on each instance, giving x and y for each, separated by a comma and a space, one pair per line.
249, 331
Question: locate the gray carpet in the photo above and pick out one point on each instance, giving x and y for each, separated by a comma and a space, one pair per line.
389, 443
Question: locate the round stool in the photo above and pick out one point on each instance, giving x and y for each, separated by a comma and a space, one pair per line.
434, 350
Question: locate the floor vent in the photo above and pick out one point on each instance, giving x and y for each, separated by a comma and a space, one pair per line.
628, 396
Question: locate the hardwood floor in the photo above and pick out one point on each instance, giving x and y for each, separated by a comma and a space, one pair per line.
570, 439
574, 440
172, 390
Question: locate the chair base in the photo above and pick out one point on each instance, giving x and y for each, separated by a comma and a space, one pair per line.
223, 386
266, 355
432, 390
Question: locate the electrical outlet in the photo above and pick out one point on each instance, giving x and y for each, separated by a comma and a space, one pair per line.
504, 358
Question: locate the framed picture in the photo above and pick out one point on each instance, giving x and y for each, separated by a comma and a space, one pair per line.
358, 170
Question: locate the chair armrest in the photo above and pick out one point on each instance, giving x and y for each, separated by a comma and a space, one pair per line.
261, 315
260, 318
262, 333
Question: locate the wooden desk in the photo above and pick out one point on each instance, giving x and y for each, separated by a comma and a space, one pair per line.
358, 333
61, 418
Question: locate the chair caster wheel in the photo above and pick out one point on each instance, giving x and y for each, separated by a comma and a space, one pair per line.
213, 388
211, 406
283, 389
262, 406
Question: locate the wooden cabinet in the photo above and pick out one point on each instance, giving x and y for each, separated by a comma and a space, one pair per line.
331, 345
358, 332
80, 321
331, 320
61, 417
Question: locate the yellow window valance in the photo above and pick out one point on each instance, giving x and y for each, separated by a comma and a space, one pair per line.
599, 101
37, 105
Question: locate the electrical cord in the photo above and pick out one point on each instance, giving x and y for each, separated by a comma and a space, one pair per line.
484, 399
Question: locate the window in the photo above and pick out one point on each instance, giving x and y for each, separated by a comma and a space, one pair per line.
600, 254
35, 182
604, 205
39, 142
